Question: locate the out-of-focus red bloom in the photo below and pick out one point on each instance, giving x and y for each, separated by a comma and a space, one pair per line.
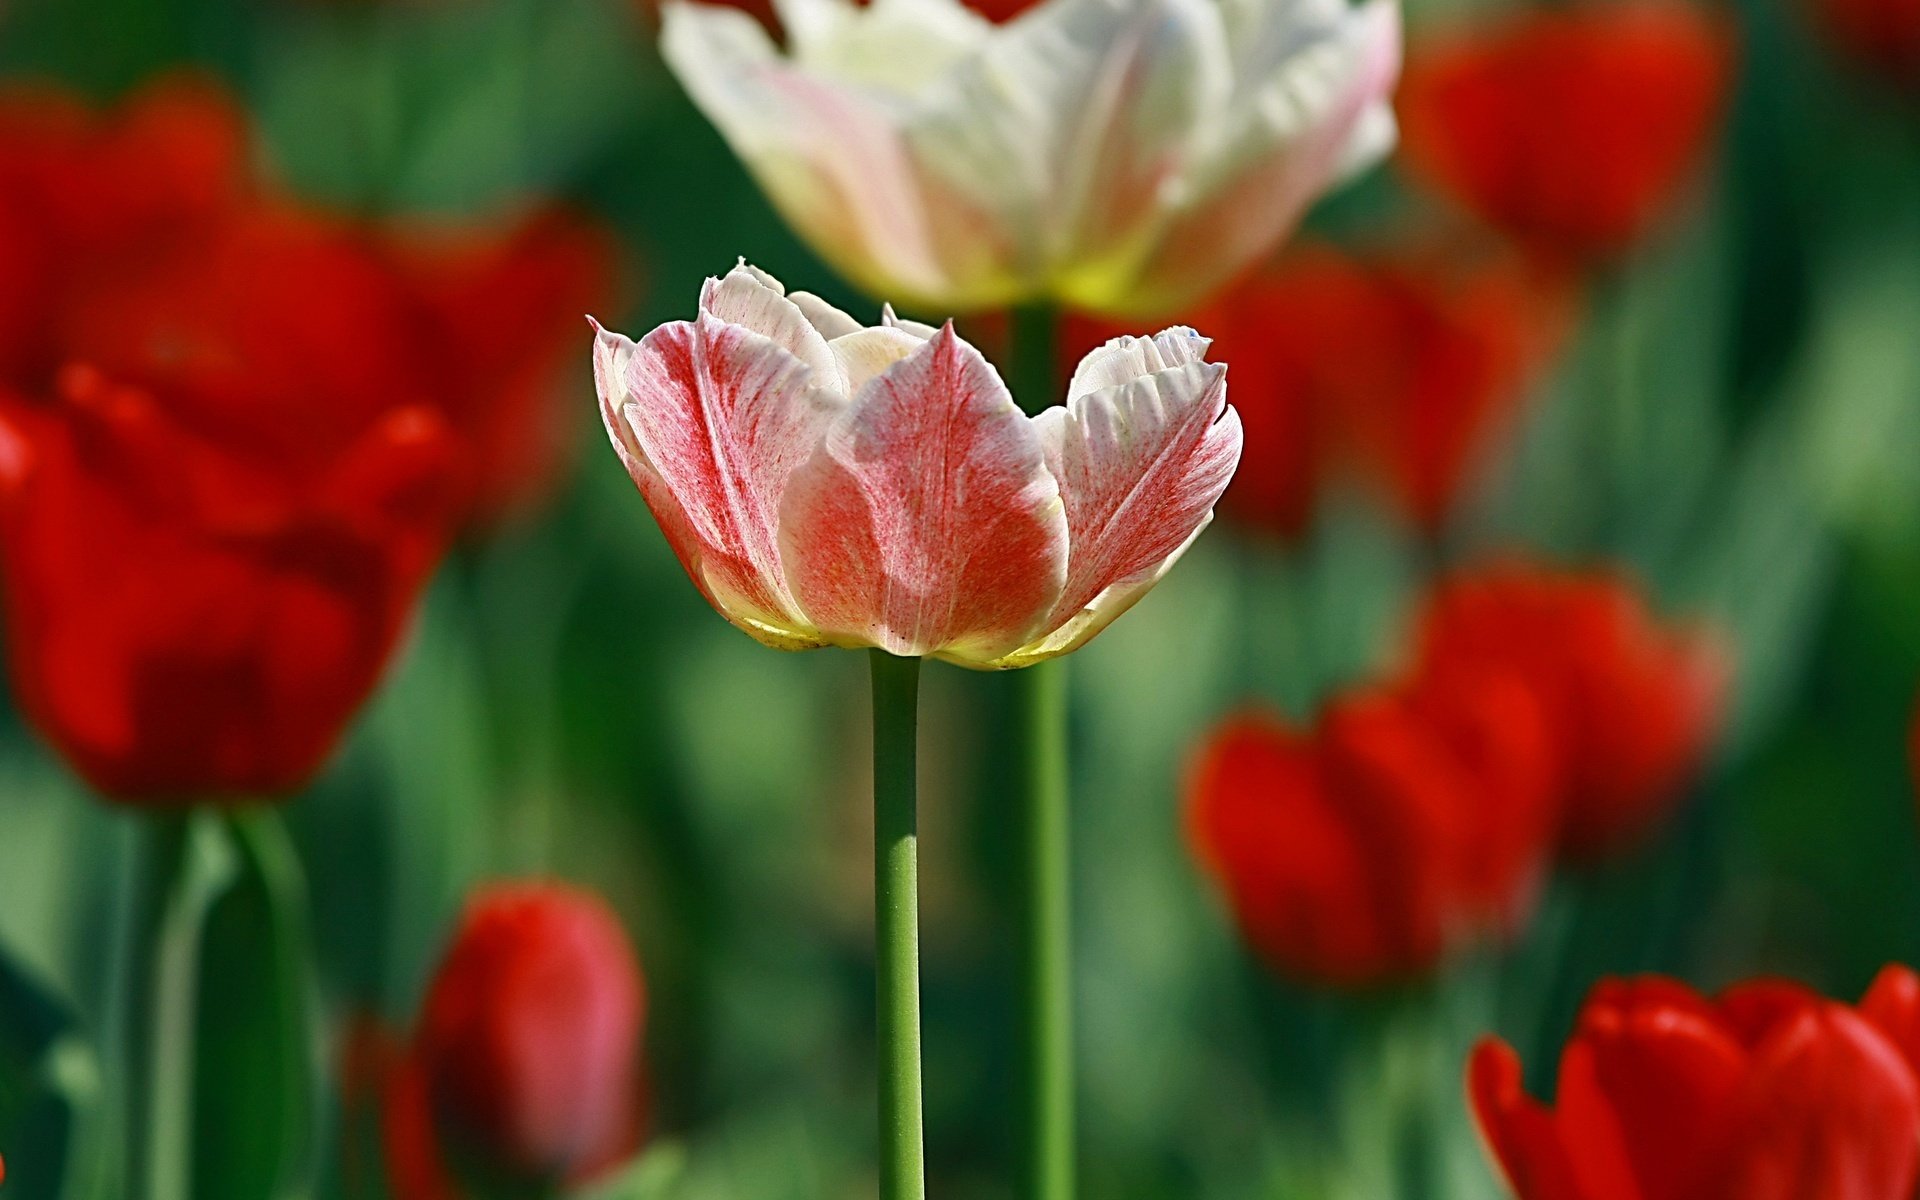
1881, 35
526, 1064
191, 615
1769, 1092
1568, 129
502, 307
1631, 705
85, 195
1401, 368
1359, 852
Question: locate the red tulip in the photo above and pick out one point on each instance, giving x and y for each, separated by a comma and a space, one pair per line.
526, 1063
1632, 706
1767, 1093
1882, 36
1403, 369
1569, 129
1361, 851
191, 614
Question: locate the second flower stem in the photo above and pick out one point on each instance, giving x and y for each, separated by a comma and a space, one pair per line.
1046, 953
896, 914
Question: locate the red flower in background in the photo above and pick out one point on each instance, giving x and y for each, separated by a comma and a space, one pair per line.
191, 614
1361, 851
237, 434
1543, 713
526, 1064
1403, 369
1572, 129
1882, 36
1632, 706
1769, 1092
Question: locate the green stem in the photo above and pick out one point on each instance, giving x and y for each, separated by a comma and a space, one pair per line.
189, 864
1040, 731
896, 904
262, 836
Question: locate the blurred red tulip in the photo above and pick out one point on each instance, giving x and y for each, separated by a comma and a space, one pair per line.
1360, 852
1767, 1093
1569, 129
1883, 36
1632, 707
192, 614
526, 1064
1401, 368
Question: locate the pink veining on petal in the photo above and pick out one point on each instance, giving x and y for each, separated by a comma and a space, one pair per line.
711, 420
928, 522
1140, 466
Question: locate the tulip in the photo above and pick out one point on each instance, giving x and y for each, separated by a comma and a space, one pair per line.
1632, 706
1768, 1092
1401, 368
825, 483
1569, 129
190, 615
525, 1069
1407, 821
1120, 156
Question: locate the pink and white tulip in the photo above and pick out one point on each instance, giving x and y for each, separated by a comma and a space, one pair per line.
828, 483
1117, 156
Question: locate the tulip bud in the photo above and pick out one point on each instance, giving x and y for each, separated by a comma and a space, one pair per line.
527, 1056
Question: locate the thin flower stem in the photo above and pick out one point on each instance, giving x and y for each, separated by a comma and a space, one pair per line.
1040, 730
896, 900
189, 864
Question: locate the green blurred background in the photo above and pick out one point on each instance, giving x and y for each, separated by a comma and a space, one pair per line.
1738, 417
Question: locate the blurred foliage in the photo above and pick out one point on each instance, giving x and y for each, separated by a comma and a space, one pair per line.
1739, 419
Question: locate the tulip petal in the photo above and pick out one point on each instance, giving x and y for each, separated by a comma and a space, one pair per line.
1314, 116
1074, 125
831, 158
1831, 1109
1140, 467
1644, 1088
927, 522
752, 298
710, 420
1121, 360
1522, 1136
1893, 1004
